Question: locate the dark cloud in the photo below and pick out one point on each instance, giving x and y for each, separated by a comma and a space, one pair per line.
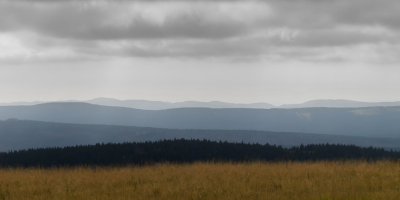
327, 13
186, 26
287, 26
69, 21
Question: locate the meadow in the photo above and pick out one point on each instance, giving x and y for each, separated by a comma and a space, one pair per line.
207, 180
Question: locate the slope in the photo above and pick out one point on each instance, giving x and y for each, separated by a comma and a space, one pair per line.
371, 122
21, 134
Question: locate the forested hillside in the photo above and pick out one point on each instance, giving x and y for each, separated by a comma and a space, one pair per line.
184, 151
20, 134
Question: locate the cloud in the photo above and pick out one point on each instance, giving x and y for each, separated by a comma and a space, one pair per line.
117, 21
269, 29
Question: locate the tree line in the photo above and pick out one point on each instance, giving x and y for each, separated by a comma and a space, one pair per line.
184, 151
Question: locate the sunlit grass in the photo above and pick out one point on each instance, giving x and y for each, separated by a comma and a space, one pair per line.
257, 180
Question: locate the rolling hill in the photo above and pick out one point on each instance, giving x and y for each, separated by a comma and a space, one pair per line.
161, 105
22, 134
369, 122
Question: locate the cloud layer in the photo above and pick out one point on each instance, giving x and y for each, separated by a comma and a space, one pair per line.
337, 30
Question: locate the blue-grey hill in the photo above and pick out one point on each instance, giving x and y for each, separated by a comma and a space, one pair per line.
368, 121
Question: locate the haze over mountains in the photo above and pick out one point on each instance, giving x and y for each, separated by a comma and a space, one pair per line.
339, 103
160, 105
19, 134
368, 122
317, 121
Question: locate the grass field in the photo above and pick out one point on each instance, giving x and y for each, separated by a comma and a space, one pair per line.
257, 180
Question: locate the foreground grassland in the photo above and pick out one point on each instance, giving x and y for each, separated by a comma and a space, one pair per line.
257, 180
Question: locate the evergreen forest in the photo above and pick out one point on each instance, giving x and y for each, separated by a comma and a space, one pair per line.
184, 151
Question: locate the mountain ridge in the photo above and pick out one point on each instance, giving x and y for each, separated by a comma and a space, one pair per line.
339, 103
370, 121
25, 134
162, 105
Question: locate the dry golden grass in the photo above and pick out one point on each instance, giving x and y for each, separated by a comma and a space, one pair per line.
257, 180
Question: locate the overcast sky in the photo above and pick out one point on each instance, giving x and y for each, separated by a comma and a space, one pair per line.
274, 51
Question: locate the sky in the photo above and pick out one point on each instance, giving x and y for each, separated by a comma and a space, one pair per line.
239, 51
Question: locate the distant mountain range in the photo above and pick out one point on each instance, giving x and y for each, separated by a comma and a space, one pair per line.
339, 103
160, 105
19, 134
368, 121
22, 103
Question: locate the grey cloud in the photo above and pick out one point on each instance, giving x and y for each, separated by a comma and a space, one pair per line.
255, 49
385, 13
67, 21
188, 49
324, 38
191, 34
322, 14
186, 26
